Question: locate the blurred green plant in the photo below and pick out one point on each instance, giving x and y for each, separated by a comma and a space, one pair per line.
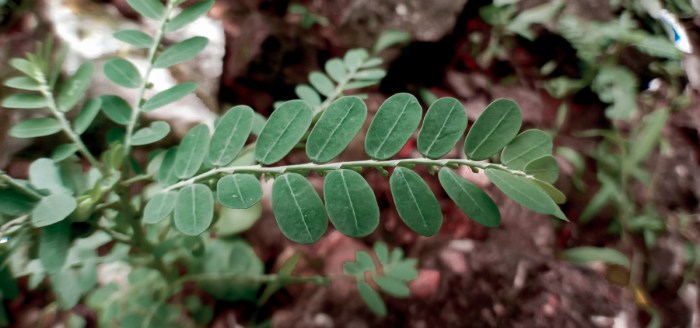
54, 223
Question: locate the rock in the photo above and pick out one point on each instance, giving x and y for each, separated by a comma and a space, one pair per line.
426, 285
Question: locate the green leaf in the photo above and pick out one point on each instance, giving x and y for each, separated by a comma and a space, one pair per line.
473, 201
354, 58
24, 101
194, 209
336, 69
336, 128
234, 221
350, 203
390, 38
53, 208
308, 94
359, 84
64, 151
239, 191
522, 191
443, 125
14, 203
416, 204
24, 66
396, 120
116, 109
123, 73
54, 244
152, 9
148, 135
231, 258
191, 152
544, 168
167, 175
370, 74
75, 87
372, 62
44, 174
169, 96
230, 135
181, 51
134, 38
159, 207
382, 252
527, 146
36, 127
87, 115
65, 285
23, 83
298, 209
322, 83
582, 255
283, 130
371, 298
649, 136
554, 193
391, 286
493, 130
189, 15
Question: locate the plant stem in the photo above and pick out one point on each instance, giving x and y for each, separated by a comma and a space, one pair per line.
257, 169
144, 84
14, 184
65, 125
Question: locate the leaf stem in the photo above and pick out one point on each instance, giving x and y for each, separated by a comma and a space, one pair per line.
14, 184
307, 167
65, 125
144, 84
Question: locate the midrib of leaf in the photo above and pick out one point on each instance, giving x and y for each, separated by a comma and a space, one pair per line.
296, 203
523, 153
413, 198
456, 181
194, 210
123, 74
505, 113
352, 205
329, 138
279, 137
393, 126
238, 189
444, 124
228, 140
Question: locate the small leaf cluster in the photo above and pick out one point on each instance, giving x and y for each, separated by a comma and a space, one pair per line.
391, 275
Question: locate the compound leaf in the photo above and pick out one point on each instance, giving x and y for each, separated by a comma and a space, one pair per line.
396, 120
75, 87
350, 203
522, 191
298, 209
527, 146
442, 127
283, 130
191, 152
156, 131
239, 191
53, 208
544, 168
36, 127
493, 130
473, 201
416, 204
194, 209
123, 73
181, 51
168, 96
230, 135
336, 128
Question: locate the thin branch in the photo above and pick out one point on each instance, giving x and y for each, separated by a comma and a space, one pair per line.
14, 184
